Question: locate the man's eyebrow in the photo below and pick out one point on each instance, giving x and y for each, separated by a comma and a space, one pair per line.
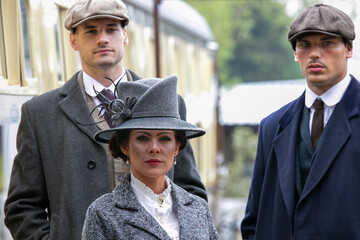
89, 27
113, 25
328, 37
302, 40
322, 39
108, 25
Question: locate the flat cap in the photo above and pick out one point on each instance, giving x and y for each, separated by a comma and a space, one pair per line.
84, 10
322, 18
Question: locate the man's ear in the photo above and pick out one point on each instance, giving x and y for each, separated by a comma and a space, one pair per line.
296, 57
126, 40
73, 41
349, 51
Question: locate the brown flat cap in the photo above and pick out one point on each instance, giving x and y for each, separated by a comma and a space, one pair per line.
84, 10
322, 18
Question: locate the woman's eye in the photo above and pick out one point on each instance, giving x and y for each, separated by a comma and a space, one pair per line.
165, 139
141, 138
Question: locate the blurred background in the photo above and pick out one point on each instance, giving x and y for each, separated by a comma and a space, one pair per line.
231, 57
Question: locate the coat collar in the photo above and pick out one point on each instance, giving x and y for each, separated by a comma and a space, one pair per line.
187, 213
127, 201
71, 96
329, 146
285, 154
285, 143
350, 102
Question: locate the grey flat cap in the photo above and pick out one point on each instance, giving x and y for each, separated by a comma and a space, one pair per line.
322, 18
84, 10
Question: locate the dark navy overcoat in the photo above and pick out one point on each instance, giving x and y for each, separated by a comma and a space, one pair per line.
329, 205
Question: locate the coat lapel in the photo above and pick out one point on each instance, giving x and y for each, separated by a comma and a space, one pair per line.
80, 115
335, 135
142, 220
285, 150
332, 140
188, 216
138, 217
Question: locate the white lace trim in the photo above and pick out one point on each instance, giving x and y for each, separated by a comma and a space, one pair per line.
160, 206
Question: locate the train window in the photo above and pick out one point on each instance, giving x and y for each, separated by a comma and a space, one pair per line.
2, 49
58, 55
26, 39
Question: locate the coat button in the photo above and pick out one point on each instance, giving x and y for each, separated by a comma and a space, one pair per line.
91, 164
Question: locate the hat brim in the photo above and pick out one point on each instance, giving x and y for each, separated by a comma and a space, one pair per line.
100, 16
299, 34
153, 123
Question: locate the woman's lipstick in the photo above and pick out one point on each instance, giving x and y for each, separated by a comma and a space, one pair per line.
153, 162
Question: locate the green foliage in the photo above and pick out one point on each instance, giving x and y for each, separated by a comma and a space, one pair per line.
217, 15
237, 183
252, 37
262, 51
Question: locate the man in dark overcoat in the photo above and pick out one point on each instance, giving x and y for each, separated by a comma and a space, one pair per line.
306, 181
60, 169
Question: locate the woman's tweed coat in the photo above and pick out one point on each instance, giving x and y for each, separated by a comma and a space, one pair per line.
119, 215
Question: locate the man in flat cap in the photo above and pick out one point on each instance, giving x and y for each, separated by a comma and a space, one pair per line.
60, 169
306, 181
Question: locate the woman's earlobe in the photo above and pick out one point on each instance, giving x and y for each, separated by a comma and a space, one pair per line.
124, 150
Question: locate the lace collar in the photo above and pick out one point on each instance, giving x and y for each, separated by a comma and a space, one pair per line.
147, 197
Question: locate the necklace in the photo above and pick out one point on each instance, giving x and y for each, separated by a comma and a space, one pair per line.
161, 200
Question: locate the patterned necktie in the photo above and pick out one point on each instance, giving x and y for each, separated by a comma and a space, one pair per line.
318, 122
110, 97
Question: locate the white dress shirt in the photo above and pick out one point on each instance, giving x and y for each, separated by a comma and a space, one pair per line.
90, 83
330, 98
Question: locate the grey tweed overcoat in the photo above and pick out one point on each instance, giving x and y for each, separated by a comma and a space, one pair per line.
119, 215
60, 169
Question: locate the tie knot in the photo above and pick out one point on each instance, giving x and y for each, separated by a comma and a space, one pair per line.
318, 104
106, 95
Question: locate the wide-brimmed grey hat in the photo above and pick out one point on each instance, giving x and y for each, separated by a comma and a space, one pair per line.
322, 18
84, 10
150, 104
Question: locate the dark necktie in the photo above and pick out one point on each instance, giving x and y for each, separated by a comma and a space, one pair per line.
318, 122
110, 97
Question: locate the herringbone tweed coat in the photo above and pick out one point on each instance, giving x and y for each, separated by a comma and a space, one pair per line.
119, 215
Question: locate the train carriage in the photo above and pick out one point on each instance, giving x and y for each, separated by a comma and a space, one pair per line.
35, 57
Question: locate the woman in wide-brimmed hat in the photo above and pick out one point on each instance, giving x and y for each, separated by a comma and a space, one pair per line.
148, 136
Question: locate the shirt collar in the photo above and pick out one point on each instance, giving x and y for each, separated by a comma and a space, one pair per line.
146, 196
331, 97
90, 83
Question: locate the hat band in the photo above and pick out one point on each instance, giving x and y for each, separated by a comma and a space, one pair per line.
154, 114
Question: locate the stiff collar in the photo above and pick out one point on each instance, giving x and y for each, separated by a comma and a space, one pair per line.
90, 83
331, 97
147, 197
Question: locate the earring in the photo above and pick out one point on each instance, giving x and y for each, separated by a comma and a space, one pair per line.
127, 162
175, 161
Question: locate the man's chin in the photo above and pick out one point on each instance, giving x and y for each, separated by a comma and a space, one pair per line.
107, 64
